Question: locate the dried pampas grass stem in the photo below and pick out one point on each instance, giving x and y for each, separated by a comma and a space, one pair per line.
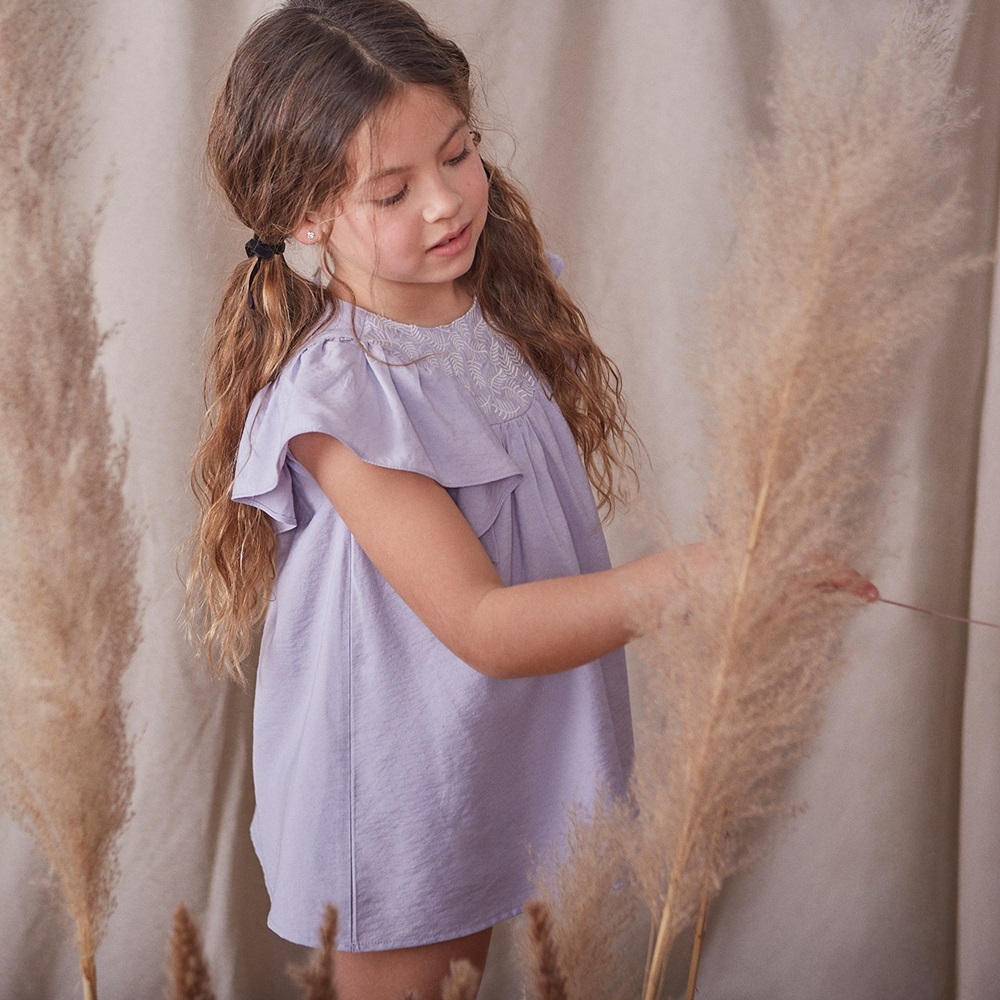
318, 977
462, 982
849, 231
189, 973
549, 981
963, 619
850, 223
850, 228
68, 599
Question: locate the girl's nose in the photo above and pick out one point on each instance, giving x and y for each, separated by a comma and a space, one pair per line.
442, 201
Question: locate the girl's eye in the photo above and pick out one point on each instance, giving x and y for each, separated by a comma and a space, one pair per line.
393, 199
456, 160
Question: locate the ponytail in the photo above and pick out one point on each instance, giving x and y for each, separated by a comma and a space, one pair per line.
233, 565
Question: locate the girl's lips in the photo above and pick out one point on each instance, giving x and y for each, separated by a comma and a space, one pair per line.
453, 245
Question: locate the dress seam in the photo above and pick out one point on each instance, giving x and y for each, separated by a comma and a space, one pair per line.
351, 745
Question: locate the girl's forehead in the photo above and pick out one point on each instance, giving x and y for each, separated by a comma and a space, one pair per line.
414, 123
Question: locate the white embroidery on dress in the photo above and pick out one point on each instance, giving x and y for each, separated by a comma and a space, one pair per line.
487, 364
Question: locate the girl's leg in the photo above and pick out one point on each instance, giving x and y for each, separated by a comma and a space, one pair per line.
387, 975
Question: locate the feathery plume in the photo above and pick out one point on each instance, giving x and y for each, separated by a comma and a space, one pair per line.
550, 983
462, 982
849, 238
69, 601
591, 912
189, 972
317, 977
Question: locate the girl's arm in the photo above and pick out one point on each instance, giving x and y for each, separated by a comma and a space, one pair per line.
421, 543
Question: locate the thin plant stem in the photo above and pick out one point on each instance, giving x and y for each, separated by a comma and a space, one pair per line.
940, 614
664, 936
700, 926
88, 973
661, 948
649, 946
699, 938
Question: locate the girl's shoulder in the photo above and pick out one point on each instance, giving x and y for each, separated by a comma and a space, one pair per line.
340, 324
348, 351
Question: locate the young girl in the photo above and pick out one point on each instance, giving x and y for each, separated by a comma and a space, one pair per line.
397, 469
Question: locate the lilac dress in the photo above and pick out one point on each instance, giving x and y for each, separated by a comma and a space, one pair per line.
391, 778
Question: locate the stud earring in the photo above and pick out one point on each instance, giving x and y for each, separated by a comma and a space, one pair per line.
310, 235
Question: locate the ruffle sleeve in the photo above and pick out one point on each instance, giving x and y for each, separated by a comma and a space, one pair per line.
397, 415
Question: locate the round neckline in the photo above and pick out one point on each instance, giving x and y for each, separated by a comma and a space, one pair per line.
378, 320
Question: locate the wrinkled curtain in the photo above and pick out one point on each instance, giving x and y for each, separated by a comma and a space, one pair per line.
625, 115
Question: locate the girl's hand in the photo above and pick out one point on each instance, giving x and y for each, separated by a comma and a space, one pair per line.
658, 586
836, 575
660, 582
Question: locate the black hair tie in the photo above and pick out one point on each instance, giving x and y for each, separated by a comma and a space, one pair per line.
256, 247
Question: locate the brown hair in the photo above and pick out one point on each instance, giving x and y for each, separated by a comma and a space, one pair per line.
302, 82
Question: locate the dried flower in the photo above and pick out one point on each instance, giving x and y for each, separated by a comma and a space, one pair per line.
550, 983
591, 912
462, 982
69, 619
317, 977
849, 236
189, 973
850, 227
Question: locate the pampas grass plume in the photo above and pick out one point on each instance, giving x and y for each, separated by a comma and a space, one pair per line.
583, 919
69, 599
850, 229
849, 237
549, 981
462, 982
189, 972
317, 977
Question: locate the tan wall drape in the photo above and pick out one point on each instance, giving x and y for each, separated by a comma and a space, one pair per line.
888, 884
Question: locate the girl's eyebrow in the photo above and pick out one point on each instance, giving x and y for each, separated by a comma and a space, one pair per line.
389, 171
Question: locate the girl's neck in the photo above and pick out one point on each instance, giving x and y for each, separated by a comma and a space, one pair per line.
416, 305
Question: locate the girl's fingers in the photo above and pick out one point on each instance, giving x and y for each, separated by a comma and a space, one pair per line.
835, 575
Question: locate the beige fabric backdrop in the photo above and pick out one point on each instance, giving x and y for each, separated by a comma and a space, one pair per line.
887, 885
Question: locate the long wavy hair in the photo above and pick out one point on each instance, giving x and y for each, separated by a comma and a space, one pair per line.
303, 81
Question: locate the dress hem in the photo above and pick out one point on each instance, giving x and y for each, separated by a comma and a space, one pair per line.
389, 945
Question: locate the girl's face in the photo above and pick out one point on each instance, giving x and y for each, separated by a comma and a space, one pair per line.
406, 232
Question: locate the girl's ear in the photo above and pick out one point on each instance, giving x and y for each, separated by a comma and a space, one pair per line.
311, 230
